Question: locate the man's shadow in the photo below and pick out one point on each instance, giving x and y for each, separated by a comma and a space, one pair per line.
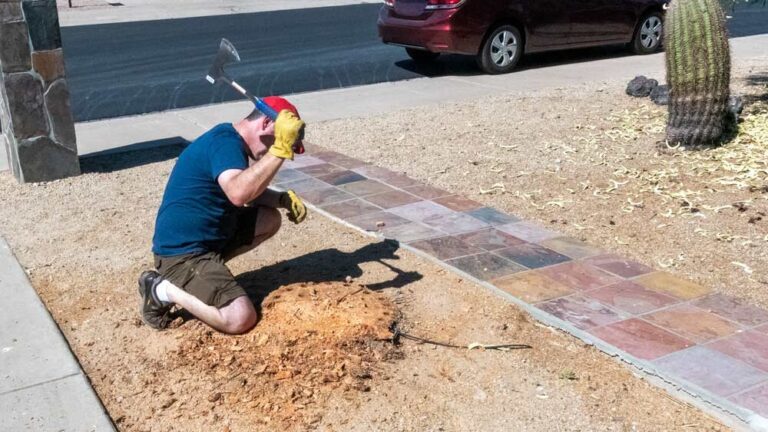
325, 265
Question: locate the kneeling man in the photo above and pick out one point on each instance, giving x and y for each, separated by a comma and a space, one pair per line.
216, 206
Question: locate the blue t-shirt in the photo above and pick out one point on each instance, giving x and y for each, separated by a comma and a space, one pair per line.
196, 215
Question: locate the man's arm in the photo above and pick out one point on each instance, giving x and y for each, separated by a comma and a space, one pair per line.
244, 186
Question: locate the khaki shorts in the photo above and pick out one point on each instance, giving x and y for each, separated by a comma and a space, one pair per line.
205, 275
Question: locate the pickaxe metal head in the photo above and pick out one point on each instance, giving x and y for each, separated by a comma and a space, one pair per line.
227, 54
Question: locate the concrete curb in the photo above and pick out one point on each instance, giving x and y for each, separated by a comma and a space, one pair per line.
42, 386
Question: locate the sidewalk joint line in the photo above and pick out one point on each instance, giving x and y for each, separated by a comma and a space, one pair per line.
42, 383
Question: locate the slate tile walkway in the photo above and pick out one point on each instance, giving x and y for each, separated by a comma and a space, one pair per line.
712, 346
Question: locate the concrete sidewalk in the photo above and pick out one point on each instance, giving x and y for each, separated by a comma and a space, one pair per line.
370, 100
42, 387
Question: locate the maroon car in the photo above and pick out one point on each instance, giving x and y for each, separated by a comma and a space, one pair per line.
497, 32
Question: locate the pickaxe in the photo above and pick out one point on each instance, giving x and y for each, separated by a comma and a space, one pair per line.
228, 54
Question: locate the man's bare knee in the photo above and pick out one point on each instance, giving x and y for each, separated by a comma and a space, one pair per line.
239, 316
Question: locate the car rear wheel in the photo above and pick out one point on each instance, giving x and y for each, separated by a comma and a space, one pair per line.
501, 50
649, 34
421, 56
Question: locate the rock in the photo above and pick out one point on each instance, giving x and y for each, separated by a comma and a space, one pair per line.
10, 11
60, 114
660, 95
735, 107
641, 86
14, 47
43, 20
41, 159
25, 100
49, 64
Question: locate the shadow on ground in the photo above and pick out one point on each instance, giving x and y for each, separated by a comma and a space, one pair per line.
462, 65
757, 80
326, 265
133, 156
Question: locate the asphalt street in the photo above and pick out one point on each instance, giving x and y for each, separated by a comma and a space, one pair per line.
141, 67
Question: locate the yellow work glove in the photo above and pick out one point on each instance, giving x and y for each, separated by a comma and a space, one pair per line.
288, 128
297, 212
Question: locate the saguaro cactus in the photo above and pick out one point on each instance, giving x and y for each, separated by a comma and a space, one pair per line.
698, 71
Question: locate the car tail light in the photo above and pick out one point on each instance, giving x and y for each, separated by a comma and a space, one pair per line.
443, 4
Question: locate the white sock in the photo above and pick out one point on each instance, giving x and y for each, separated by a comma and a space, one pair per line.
161, 291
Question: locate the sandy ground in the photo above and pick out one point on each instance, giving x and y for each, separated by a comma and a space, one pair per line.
591, 162
84, 240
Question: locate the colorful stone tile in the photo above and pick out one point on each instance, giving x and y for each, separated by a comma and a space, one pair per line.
351, 208
320, 169
733, 309
373, 171
377, 221
532, 286
386, 176
421, 210
288, 175
392, 199
580, 311
302, 162
454, 223
365, 188
580, 276
692, 323
711, 370
492, 216
490, 239
618, 265
641, 339
410, 232
668, 284
458, 203
327, 195
339, 159
400, 181
303, 186
571, 247
751, 347
630, 297
425, 191
445, 247
341, 177
485, 266
528, 231
532, 255
755, 399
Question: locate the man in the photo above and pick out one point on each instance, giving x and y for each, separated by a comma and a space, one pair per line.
216, 206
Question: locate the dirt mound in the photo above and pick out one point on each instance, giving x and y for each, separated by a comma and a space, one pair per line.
312, 339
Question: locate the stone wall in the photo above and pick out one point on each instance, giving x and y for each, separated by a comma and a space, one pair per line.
36, 123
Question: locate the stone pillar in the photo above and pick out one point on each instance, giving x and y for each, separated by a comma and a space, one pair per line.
36, 123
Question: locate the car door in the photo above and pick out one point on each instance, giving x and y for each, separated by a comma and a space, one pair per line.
601, 21
548, 24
